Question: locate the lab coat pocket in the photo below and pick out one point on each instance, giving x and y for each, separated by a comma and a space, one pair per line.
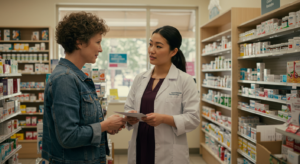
173, 106
180, 154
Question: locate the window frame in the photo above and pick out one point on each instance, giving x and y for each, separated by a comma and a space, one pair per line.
149, 9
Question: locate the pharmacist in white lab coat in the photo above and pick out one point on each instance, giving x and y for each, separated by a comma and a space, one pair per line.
169, 98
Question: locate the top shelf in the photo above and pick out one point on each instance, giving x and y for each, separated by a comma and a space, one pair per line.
24, 41
278, 13
281, 129
219, 20
217, 36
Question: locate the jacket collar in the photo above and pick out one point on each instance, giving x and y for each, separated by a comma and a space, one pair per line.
78, 72
173, 73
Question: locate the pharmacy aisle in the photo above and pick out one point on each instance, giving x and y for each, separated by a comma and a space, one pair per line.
218, 99
269, 86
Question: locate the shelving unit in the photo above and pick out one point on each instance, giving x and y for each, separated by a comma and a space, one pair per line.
9, 96
25, 34
216, 104
31, 114
276, 61
264, 98
29, 127
217, 123
219, 88
247, 137
281, 130
246, 155
5, 137
217, 70
215, 53
208, 151
11, 75
33, 89
216, 139
223, 25
9, 117
11, 154
263, 114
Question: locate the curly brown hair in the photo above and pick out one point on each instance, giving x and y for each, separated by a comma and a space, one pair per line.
80, 26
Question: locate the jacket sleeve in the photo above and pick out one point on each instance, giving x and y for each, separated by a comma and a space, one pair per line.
129, 104
190, 118
66, 115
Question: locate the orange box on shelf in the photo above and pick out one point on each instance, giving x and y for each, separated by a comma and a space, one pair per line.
26, 47
13, 136
20, 136
290, 72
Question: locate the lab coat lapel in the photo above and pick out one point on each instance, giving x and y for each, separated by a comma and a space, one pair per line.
172, 75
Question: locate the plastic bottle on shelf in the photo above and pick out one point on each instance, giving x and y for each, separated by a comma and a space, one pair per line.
224, 43
292, 19
297, 43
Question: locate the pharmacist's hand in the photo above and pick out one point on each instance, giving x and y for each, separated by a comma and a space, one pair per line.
153, 119
132, 120
114, 122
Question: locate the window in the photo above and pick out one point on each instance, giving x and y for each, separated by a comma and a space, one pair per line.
128, 34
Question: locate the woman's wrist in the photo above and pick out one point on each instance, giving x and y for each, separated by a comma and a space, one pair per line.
104, 126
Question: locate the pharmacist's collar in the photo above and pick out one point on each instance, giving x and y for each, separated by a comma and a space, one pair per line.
173, 73
78, 72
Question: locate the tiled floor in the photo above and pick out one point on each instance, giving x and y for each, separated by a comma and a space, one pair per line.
122, 159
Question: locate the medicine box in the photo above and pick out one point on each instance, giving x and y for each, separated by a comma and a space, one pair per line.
290, 72
6, 33
293, 157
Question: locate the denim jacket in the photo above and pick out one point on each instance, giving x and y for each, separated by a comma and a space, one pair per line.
72, 116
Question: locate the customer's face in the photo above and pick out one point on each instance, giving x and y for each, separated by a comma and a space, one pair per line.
159, 50
91, 50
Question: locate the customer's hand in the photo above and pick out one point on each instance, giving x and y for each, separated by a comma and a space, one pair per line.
112, 132
132, 120
114, 122
153, 119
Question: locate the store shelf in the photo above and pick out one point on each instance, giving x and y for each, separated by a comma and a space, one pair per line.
212, 153
31, 114
270, 55
27, 141
247, 137
217, 70
5, 137
263, 98
272, 35
98, 81
11, 154
35, 73
9, 96
246, 155
220, 52
15, 51
281, 129
217, 123
220, 88
216, 104
36, 101
33, 61
268, 83
216, 139
32, 89
24, 41
9, 117
217, 36
28, 127
11, 75
262, 114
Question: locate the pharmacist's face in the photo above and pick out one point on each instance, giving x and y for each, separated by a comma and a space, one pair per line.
91, 50
159, 50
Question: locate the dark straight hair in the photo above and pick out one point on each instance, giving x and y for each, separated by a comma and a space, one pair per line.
174, 39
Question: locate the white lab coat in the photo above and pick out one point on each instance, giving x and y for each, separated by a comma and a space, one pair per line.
178, 96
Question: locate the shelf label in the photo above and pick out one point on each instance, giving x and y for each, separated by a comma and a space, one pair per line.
269, 5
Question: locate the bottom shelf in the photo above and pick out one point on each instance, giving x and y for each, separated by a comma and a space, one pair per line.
11, 154
212, 153
246, 155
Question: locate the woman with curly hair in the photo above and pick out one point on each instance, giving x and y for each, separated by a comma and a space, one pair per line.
74, 130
